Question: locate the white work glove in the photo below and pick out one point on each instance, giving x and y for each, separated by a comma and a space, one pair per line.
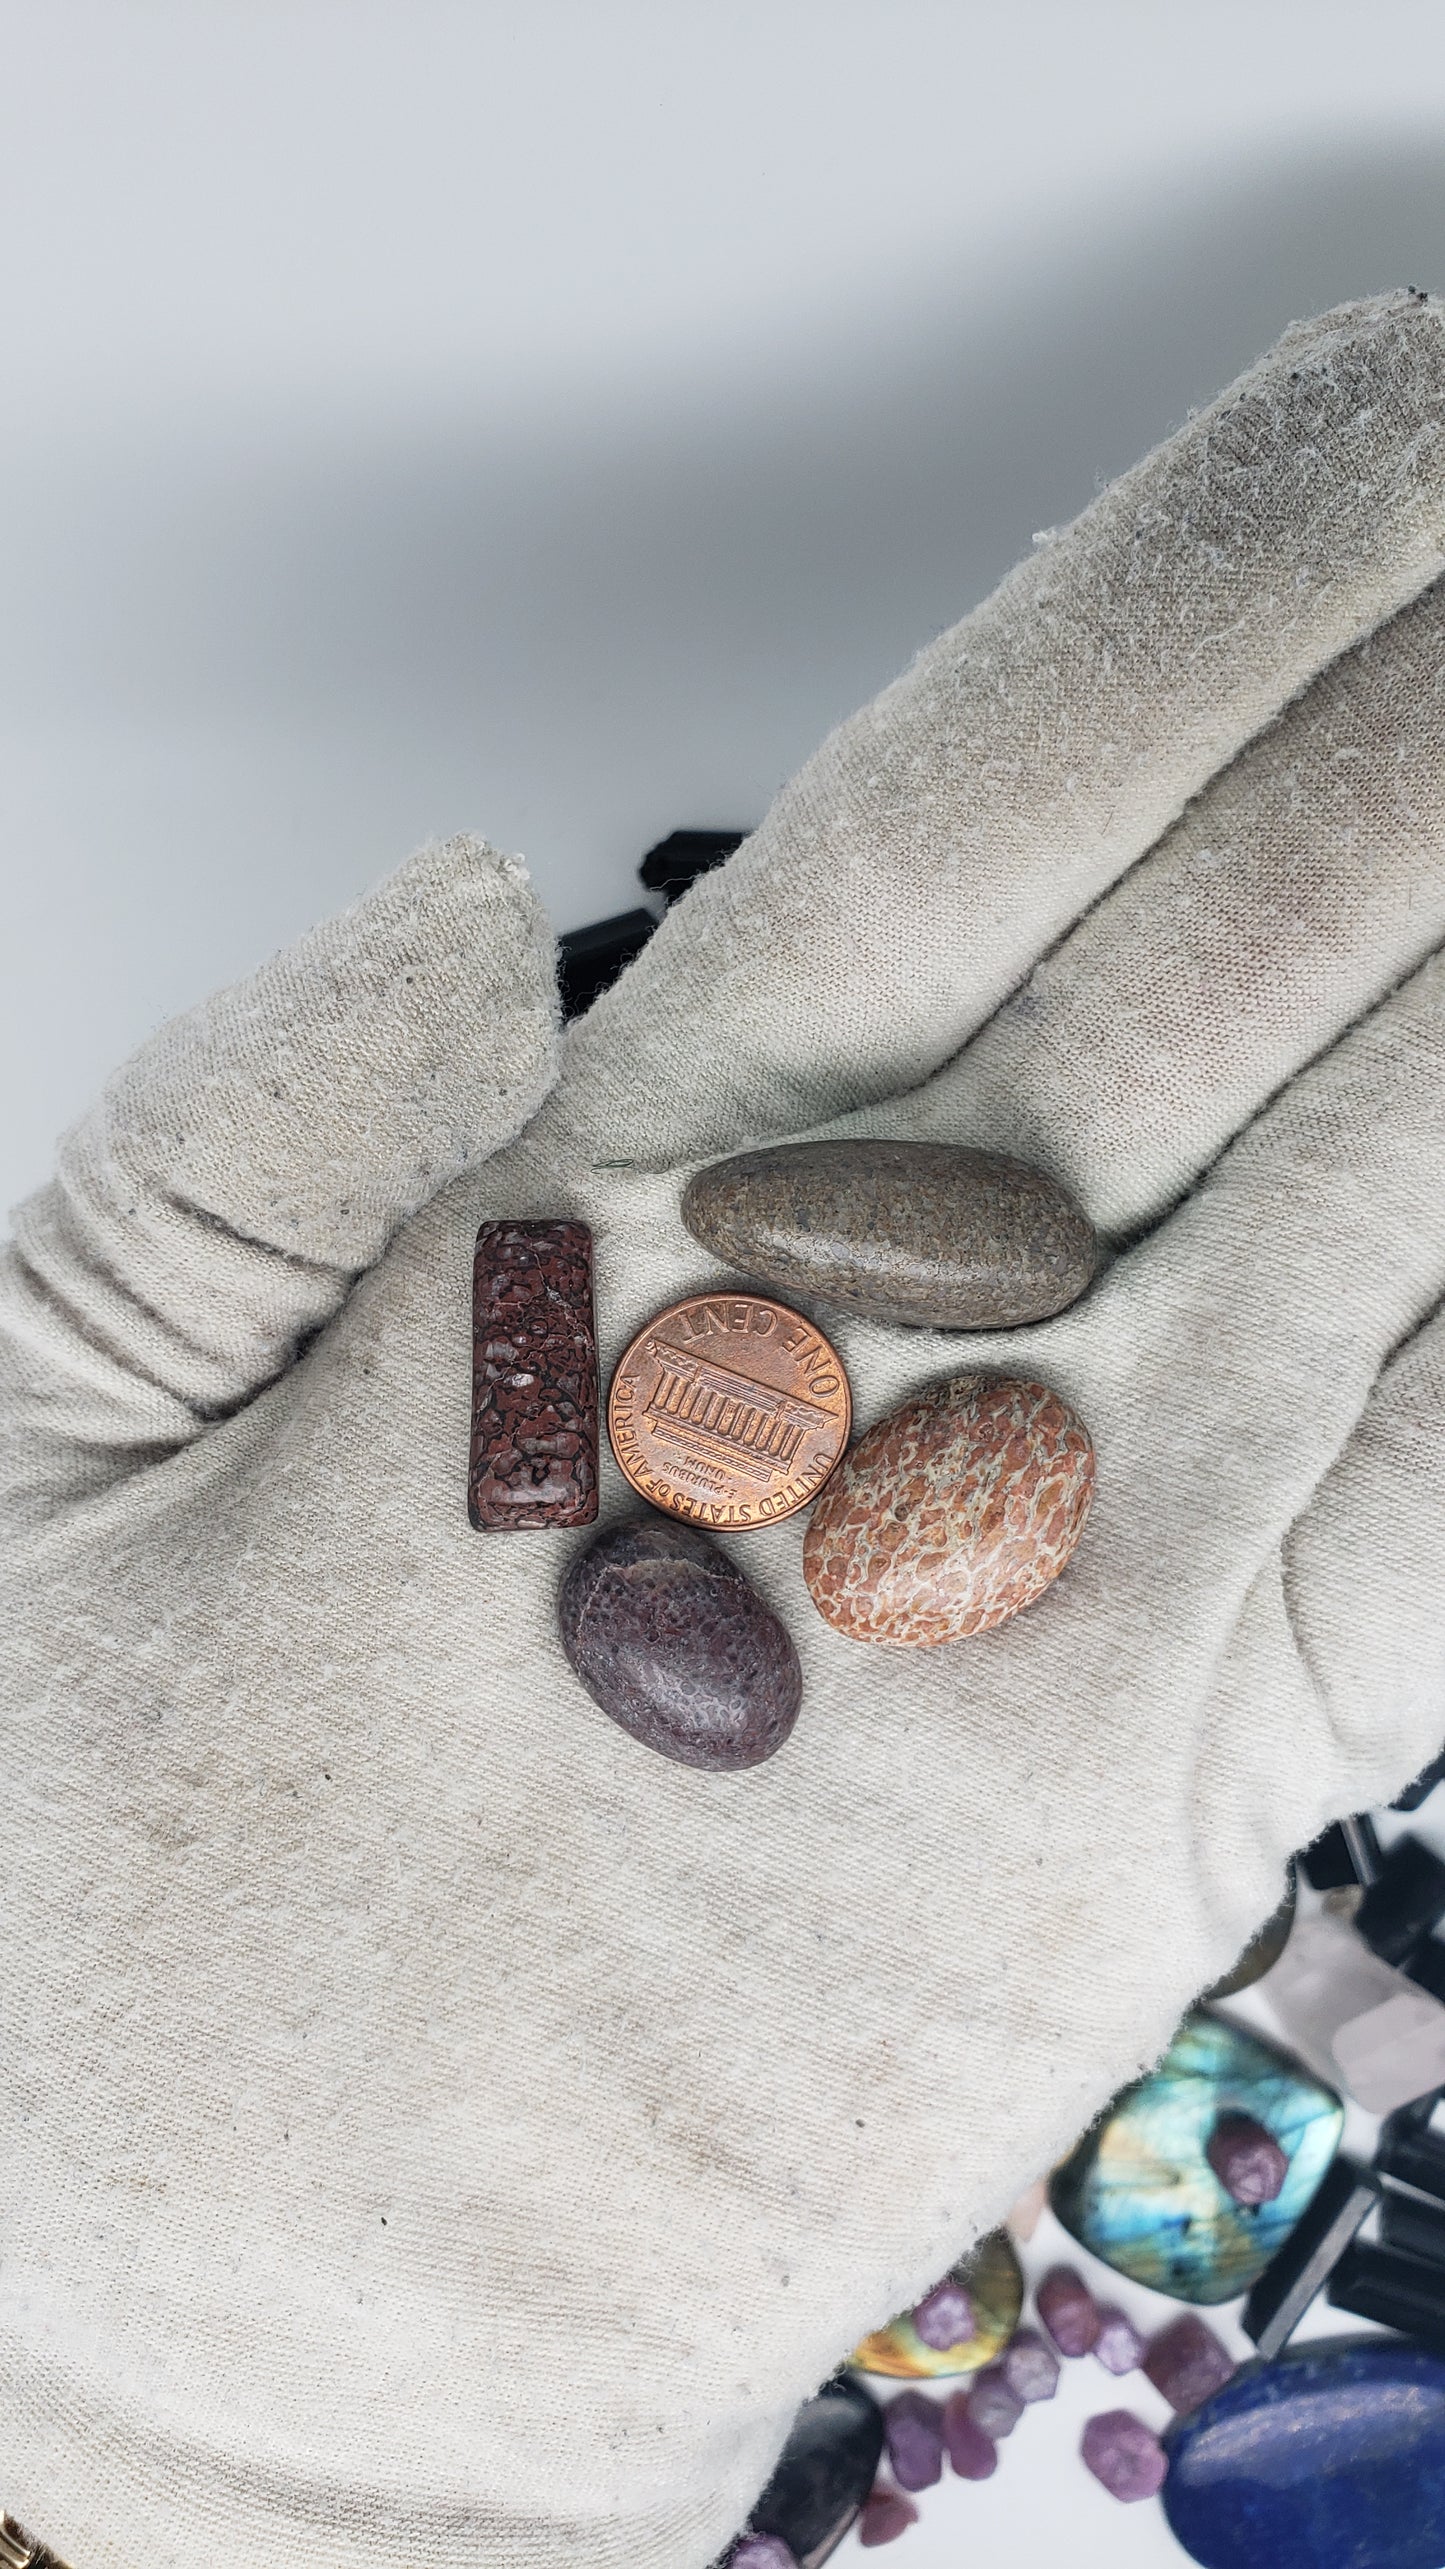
433, 2129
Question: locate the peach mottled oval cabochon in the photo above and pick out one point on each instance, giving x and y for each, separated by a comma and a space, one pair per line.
951, 1513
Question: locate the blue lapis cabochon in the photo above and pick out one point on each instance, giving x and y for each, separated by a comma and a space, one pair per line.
1139, 2190
1332, 2457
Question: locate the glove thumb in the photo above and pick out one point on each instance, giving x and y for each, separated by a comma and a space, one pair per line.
259, 1152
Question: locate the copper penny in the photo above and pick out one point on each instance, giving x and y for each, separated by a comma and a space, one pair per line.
729, 1410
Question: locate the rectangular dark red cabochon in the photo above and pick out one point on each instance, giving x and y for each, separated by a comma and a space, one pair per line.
534, 1377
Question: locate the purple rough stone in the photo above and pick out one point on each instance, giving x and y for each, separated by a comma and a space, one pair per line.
1118, 2346
1119, 2449
761, 2551
913, 2425
991, 2403
1187, 2363
1247, 2160
1029, 2366
970, 2451
945, 2318
885, 2515
1068, 2310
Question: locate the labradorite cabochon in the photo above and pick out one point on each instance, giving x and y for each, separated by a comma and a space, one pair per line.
927, 1235
993, 2280
1139, 2192
1331, 2457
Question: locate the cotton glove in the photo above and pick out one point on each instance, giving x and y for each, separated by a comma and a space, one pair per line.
434, 2129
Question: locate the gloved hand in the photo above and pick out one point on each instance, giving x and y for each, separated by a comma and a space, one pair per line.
435, 2130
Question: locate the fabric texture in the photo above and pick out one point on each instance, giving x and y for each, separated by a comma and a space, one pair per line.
432, 2129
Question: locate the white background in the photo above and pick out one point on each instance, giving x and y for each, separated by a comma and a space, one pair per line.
548, 416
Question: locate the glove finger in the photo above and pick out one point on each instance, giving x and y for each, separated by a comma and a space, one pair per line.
1363, 1585
1232, 1352
952, 832
259, 1152
1342, 1636
1292, 895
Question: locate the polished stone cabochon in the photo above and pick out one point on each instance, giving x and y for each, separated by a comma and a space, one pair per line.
927, 1235
823, 2474
1139, 2190
672, 1642
952, 1514
993, 2280
1332, 2457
